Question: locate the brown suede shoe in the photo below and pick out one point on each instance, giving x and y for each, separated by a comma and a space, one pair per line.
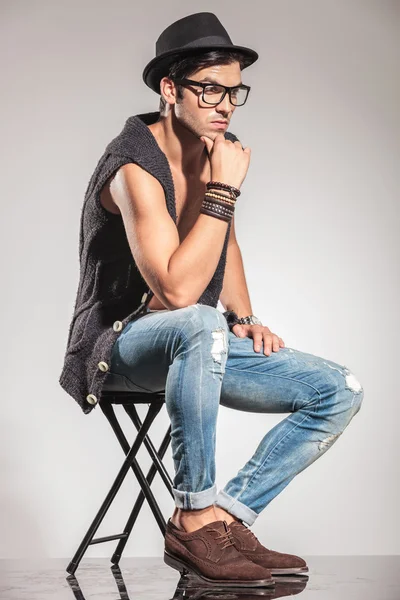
278, 563
209, 554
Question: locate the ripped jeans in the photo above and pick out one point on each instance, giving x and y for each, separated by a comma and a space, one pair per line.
191, 355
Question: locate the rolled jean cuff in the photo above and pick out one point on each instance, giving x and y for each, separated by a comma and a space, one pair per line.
236, 508
195, 500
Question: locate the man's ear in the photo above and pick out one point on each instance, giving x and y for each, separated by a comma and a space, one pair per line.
168, 90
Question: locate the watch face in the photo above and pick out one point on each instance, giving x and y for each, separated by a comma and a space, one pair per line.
250, 320
255, 321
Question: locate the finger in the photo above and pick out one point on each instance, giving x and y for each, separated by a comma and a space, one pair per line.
275, 343
208, 143
267, 343
257, 340
281, 343
238, 331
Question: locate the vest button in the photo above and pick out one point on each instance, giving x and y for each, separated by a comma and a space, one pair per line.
91, 398
117, 326
144, 297
103, 366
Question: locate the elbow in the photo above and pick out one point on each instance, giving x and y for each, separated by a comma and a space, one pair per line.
176, 300
176, 296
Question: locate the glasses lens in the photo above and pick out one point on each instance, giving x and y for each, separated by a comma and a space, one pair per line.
213, 94
239, 95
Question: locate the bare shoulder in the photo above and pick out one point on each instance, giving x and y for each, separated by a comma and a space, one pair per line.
133, 189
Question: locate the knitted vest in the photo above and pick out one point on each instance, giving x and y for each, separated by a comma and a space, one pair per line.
111, 291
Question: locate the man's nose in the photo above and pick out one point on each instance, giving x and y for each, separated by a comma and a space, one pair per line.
225, 105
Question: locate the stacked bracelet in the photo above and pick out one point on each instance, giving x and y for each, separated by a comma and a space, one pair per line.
218, 204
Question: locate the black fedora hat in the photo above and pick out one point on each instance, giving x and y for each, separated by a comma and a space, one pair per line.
195, 33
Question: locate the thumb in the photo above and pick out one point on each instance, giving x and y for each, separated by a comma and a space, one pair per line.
240, 331
208, 142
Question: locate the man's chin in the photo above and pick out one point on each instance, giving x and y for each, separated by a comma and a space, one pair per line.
212, 133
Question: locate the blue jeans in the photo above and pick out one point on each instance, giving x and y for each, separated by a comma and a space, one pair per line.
191, 354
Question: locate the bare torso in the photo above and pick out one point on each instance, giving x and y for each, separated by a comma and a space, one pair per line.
189, 194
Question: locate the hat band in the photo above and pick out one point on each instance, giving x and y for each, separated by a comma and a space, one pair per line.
209, 39
205, 41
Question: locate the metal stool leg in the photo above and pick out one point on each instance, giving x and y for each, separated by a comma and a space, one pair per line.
110, 414
132, 412
139, 502
88, 539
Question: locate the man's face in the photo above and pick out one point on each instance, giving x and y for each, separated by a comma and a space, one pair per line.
194, 114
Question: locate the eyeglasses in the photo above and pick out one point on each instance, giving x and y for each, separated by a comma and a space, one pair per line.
214, 93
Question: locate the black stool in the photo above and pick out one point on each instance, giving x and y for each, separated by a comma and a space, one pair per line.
128, 400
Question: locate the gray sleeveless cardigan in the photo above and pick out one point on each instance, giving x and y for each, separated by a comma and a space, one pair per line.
111, 290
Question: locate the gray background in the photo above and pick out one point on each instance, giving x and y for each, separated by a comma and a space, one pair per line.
317, 222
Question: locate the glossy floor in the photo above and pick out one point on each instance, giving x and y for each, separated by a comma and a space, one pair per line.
329, 577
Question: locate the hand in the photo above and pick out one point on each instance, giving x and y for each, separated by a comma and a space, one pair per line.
229, 160
260, 333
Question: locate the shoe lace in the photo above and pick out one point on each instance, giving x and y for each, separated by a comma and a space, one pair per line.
252, 535
223, 538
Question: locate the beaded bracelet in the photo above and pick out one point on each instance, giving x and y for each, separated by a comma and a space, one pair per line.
220, 197
222, 192
224, 186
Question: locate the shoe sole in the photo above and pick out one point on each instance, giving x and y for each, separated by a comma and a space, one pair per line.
184, 568
289, 571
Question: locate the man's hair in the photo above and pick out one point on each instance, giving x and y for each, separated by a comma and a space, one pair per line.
188, 65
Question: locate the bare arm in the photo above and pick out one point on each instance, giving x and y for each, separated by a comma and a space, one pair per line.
177, 273
235, 295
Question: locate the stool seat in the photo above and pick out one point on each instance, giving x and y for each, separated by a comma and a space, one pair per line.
128, 399
115, 382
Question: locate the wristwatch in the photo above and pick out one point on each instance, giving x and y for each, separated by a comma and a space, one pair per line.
232, 319
250, 320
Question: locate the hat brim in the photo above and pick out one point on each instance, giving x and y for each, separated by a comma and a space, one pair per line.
156, 69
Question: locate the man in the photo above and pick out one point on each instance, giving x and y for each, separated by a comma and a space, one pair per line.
181, 343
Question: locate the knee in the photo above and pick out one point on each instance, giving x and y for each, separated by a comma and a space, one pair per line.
208, 324
353, 385
353, 392
204, 318
340, 391
357, 401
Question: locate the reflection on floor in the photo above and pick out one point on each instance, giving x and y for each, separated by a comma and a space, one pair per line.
329, 577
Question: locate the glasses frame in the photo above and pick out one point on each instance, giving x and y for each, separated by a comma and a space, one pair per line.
228, 89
